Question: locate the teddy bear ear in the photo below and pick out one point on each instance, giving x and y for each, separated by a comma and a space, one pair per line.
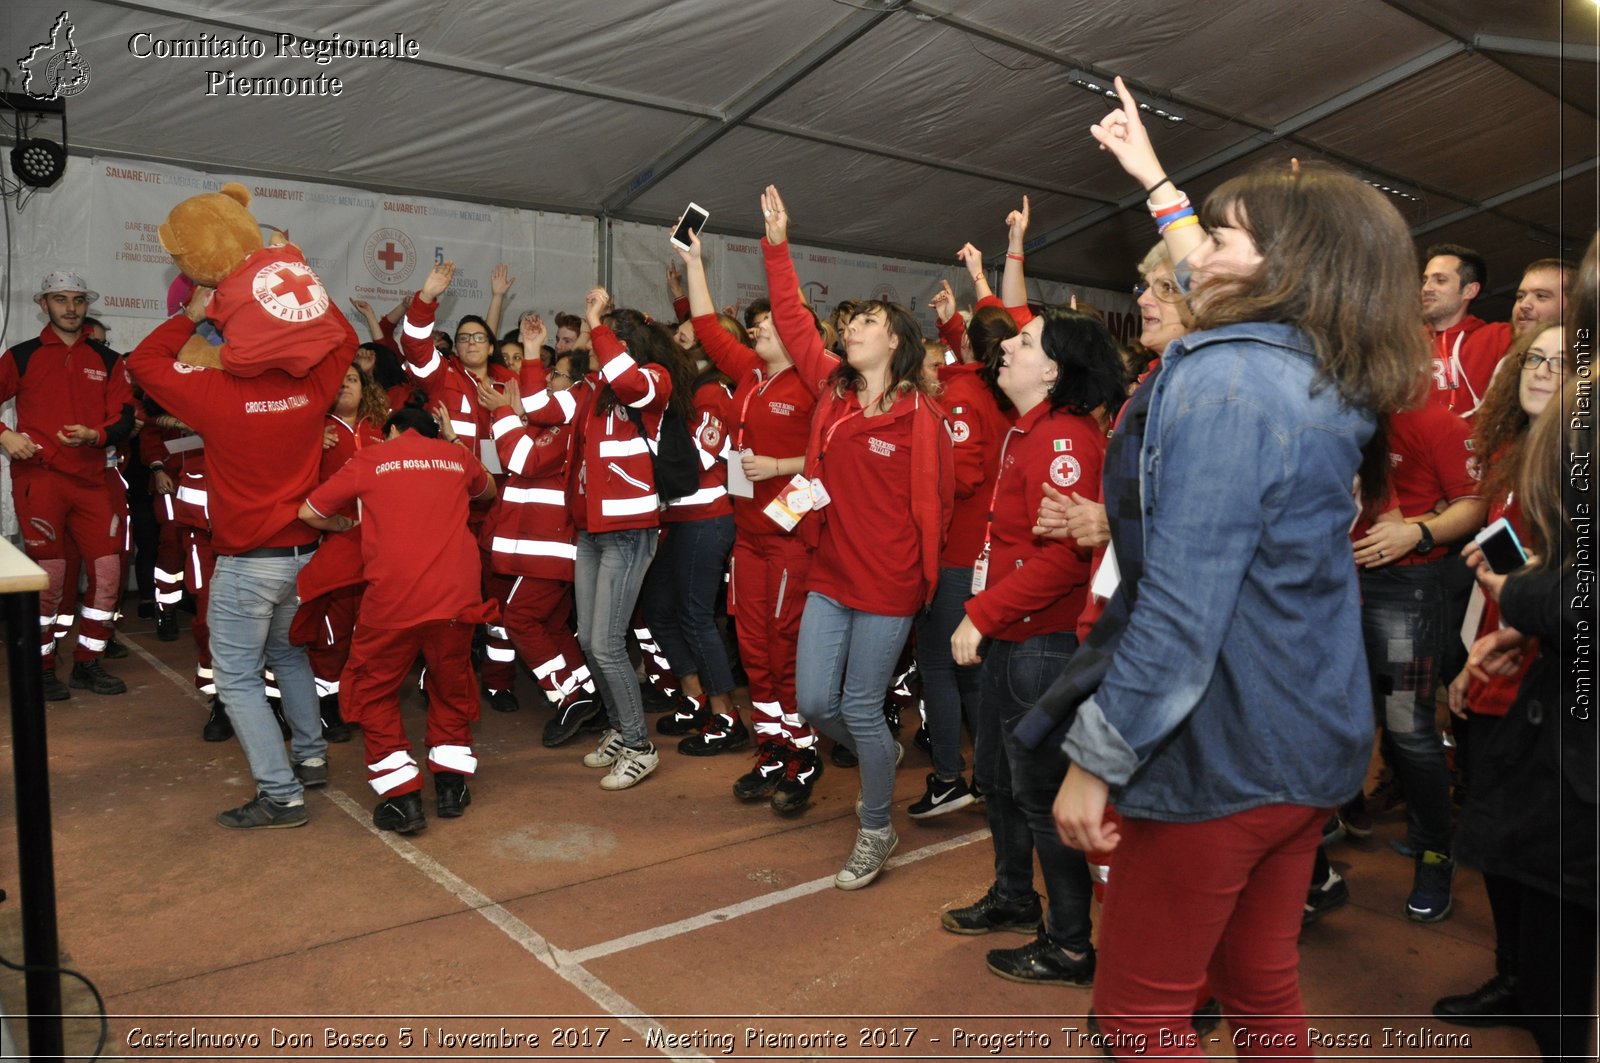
235, 190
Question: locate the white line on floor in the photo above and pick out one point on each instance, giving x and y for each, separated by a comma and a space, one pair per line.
562, 963
756, 904
185, 685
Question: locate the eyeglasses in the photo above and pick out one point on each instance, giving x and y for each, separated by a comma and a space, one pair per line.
471, 337
1531, 361
557, 372
1165, 290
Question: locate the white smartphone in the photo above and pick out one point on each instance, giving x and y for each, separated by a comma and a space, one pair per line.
694, 219
1501, 547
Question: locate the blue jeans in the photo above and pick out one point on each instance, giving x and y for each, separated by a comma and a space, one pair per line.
253, 602
949, 691
680, 599
608, 572
845, 660
1019, 788
1403, 624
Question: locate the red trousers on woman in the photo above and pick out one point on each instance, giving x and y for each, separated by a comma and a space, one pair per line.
1219, 899
766, 595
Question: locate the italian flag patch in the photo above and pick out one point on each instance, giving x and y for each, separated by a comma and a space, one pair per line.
1063, 446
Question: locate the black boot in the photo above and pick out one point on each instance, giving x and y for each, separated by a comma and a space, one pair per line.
402, 814
1494, 1003
167, 625
218, 727
334, 729
53, 688
451, 789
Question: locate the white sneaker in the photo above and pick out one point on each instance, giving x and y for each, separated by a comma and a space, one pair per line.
867, 859
630, 766
605, 752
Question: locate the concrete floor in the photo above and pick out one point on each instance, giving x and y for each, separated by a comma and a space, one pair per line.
596, 922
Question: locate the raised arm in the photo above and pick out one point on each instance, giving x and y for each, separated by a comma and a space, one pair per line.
416, 336
1013, 283
789, 314
500, 282
972, 258
1123, 134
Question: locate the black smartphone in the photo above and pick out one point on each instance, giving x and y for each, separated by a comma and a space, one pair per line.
694, 219
1501, 547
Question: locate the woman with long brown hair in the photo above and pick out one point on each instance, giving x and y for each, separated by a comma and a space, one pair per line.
1197, 702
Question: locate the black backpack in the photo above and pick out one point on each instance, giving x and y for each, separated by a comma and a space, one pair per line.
674, 456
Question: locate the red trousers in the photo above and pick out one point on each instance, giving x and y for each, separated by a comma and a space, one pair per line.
1221, 898
199, 562
52, 511
536, 616
169, 554
767, 595
331, 652
369, 696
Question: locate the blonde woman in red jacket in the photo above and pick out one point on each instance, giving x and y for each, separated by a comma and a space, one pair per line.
879, 453
617, 513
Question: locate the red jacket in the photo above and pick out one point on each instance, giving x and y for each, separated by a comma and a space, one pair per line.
529, 530
276, 314
420, 562
1494, 698
712, 408
612, 486
769, 415
859, 532
56, 385
1460, 376
978, 428
263, 434
446, 379
1037, 586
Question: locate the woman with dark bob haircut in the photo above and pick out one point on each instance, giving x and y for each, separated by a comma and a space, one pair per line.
1199, 701
1063, 375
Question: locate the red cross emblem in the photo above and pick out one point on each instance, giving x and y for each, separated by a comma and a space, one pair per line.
297, 284
290, 292
391, 255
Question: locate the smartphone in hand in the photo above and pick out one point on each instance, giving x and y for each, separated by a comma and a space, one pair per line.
1501, 547
694, 219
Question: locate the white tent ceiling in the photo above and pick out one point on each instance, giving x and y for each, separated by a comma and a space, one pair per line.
898, 126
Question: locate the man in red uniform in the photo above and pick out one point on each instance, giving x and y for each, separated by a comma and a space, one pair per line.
423, 579
1453, 277
1541, 302
74, 407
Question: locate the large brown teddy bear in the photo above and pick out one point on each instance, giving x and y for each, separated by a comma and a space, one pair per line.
274, 311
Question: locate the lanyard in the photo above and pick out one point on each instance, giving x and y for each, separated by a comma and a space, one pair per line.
738, 443
858, 412
994, 496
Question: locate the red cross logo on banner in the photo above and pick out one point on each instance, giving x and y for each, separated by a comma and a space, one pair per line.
290, 292
391, 256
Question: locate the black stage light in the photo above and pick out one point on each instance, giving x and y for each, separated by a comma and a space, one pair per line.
38, 163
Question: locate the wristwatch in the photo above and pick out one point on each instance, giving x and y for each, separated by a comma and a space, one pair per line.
1425, 543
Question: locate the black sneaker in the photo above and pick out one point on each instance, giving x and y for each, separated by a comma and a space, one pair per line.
569, 720
1494, 1003
941, 796
114, 651
1042, 962
683, 722
990, 914
313, 771
923, 740
334, 727
218, 727
451, 789
264, 813
402, 814
718, 737
1355, 817
167, 625
772, 764
843, 756
794, 789
1320, 900
503, 701
90, 676
53, 688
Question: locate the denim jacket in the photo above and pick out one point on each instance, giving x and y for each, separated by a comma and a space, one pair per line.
1230, 671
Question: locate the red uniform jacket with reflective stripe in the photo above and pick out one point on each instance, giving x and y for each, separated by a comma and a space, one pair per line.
56, 385
612, 486
529, 530
709, 431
